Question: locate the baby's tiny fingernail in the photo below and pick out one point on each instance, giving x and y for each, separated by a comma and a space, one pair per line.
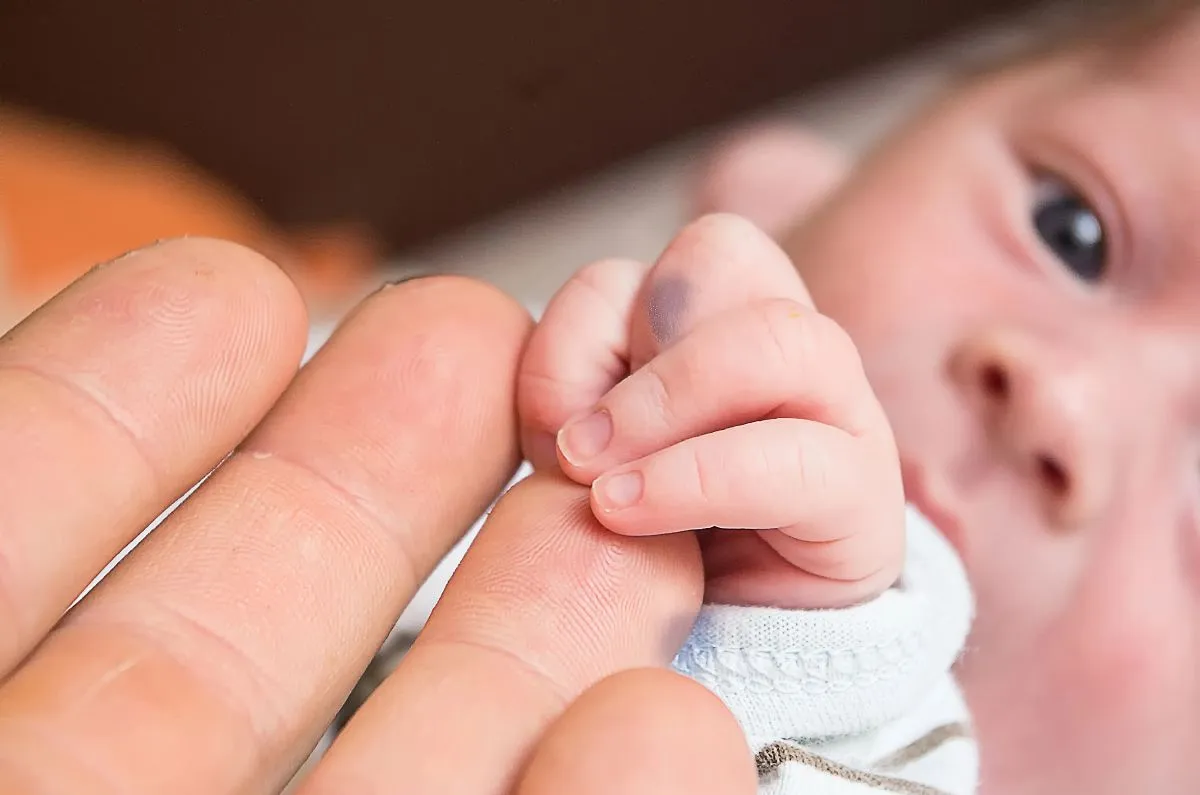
584, 439
619, 491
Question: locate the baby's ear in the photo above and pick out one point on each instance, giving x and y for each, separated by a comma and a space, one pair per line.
717, 263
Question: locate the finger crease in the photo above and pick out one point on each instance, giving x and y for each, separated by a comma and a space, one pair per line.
213, 676
660, 397
703, 484
98, 402
101, 778
537, 673
374, 521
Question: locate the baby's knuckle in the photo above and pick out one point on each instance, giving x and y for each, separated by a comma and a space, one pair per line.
787, 309
659, 395
787, 333
812, 468
706, 474
836, 341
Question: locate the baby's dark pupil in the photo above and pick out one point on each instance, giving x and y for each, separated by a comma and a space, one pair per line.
1072, 231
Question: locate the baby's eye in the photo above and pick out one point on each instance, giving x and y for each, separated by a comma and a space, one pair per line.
1070, 228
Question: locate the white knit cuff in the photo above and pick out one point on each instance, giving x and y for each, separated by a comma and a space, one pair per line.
810, 674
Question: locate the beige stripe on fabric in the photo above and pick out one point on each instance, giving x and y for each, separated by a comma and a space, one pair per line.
773, 756
925, 745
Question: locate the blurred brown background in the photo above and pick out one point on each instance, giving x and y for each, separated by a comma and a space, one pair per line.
419, 117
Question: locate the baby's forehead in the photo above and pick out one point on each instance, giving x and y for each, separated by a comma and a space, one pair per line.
1169, 59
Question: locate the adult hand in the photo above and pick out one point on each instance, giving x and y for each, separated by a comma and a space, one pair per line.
213, 656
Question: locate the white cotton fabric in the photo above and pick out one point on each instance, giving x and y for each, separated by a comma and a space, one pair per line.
853, 700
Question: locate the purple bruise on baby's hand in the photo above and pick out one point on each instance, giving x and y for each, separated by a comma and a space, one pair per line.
667, 304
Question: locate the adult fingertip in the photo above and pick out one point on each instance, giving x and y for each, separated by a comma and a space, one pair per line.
222, 265
416, 386
210, 331
167, 279
448, 340
490, 308
643, 731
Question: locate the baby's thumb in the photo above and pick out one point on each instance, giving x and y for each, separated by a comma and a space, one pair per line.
717, 263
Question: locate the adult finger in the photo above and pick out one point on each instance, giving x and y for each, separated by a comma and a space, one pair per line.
545, 604
213, 657
643, 732
775, 358
115, 398
578, 351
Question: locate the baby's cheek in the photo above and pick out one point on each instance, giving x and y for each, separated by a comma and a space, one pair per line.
1124, 671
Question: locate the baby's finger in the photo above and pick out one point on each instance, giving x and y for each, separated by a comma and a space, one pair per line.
771, 359
803, 478
578, 351
643, 732
715, 264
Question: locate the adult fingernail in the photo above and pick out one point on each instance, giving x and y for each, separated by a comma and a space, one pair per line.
582, 440
405, 279
620, 491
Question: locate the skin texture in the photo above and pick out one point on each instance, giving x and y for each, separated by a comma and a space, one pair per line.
755, 414
1047, 422
219, 650
216, 653
666, 307
993, 359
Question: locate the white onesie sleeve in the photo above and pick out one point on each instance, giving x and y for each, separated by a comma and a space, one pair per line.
856, 700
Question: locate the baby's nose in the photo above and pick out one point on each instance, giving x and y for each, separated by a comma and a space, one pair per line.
1043, 416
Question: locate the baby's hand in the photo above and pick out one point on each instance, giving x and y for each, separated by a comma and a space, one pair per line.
707, 392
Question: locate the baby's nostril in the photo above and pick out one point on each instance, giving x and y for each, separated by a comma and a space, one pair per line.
995, 382
1053, 475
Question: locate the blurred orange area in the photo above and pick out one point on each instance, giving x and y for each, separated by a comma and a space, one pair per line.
70, 198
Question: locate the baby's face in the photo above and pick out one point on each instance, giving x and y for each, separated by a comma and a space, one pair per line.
1021, 272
